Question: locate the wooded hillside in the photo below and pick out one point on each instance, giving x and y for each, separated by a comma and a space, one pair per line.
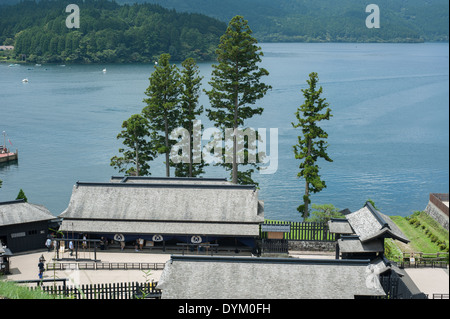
108, 32
327, 20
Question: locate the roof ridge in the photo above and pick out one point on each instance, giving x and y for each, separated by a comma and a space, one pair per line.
124, 178
376, 214
244, 259
164, 185
16, 201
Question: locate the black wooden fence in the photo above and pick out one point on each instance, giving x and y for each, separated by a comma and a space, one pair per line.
303, 231
123, 290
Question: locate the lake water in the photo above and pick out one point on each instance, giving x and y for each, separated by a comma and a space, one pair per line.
389, 134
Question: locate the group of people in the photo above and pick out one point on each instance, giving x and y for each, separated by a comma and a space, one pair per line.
52, 243
55, 244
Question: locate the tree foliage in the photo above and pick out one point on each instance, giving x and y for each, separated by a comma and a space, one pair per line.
108, 32
324, 213
22, 195
236, 82
162, 110
312, 143
328, 20
172, 104
190, 110
139, 151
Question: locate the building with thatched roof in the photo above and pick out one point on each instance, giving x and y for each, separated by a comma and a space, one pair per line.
24, 226
362, 233
161, 210
206, 277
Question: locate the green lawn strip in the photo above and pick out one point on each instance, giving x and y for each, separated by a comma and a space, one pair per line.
419, 242
12, 290
417, 233
430, 223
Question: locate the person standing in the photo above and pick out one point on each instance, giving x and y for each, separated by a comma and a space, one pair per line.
41, 266
71, 247
48, 244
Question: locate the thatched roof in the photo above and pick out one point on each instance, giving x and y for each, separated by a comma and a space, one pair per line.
169, 180
20, 212
368, 224
352, 244
206, 277
164, 208
340, 226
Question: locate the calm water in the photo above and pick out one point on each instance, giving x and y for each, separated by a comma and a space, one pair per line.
389, 135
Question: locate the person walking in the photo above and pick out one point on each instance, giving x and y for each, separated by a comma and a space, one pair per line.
41, 266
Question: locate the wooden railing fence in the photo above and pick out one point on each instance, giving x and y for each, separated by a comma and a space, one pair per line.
419, 259
102, 266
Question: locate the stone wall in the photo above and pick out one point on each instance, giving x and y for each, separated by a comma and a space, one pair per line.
311, 246
437, 214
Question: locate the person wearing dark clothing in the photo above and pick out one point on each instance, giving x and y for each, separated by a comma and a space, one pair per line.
41, 266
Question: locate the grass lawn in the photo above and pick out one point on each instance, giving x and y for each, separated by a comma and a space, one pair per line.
12, 290
425, 234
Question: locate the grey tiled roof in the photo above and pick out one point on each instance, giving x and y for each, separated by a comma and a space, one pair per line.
170, 207
340, 226
352, 244
204, 277
368, 224
19, 212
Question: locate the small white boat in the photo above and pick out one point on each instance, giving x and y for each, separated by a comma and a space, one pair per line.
25, 80
104, 70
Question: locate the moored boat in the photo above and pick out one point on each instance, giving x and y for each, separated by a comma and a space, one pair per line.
5, 154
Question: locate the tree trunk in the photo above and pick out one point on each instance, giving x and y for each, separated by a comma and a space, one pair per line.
235, 169
191, 140
305, 214
166, 140
137, 159
235, 164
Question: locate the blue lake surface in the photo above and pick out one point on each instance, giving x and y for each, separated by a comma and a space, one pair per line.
389, 134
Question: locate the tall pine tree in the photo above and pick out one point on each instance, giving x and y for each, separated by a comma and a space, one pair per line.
190, 109
236, 83
162, 108
312, 143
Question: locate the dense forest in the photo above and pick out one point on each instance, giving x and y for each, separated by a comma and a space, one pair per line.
327, 20
140, 30
109, 32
